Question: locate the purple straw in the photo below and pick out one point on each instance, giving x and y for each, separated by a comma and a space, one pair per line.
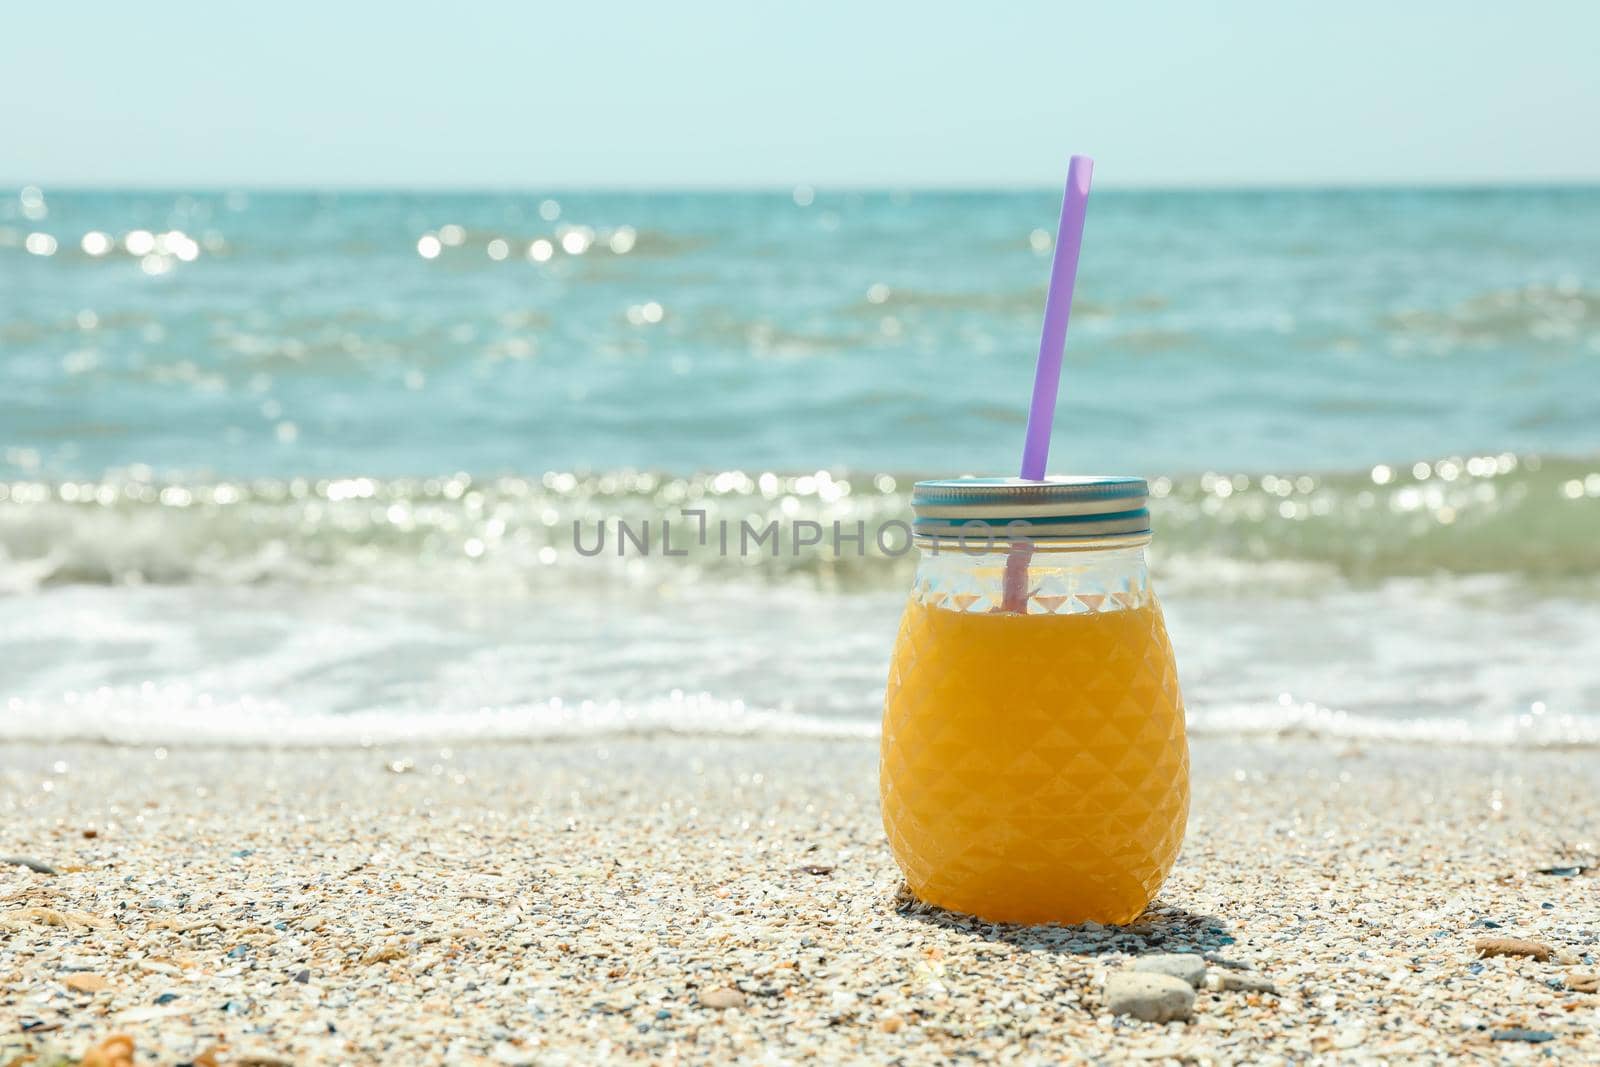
1057, 308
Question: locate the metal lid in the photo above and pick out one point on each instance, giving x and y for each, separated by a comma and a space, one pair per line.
1086, 506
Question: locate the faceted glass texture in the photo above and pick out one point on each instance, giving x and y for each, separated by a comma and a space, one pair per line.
1034, 764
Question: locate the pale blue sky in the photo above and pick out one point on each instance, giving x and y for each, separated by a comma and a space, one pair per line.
534, 95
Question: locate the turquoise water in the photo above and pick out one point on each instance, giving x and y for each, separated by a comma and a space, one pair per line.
1314, 330
314, 458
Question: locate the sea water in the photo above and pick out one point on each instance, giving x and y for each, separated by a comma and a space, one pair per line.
299, 467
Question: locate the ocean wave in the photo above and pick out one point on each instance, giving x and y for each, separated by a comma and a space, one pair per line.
179, 715
1561, 314
1524, 515
1288, 719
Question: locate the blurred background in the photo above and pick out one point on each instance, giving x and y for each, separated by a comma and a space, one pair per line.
320, 327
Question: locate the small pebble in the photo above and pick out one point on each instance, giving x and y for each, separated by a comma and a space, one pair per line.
1241, 982
1512, 946
85, 983
721, 999
1155, 998
1517, 1033
37, 866
1185, 965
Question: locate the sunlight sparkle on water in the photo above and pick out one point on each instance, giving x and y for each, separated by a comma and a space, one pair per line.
576, 241
177, 243
623, 240
33, 205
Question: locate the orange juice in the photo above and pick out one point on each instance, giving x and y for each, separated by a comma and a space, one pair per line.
1034, 765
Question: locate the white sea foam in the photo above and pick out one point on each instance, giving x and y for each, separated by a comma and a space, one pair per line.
1474, 659
180, 715
1290, 719
177, 715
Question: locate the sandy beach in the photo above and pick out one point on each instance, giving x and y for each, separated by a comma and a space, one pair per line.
712, 900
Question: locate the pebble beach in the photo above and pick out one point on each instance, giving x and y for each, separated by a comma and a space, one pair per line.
733, 900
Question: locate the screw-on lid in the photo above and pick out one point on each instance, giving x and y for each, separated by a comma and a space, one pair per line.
1058, 507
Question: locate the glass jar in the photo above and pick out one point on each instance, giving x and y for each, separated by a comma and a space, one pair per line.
1034, 762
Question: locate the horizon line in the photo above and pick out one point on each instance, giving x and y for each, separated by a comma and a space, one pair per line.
764, 188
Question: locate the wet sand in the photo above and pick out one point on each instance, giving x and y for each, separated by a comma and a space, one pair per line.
734, 899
